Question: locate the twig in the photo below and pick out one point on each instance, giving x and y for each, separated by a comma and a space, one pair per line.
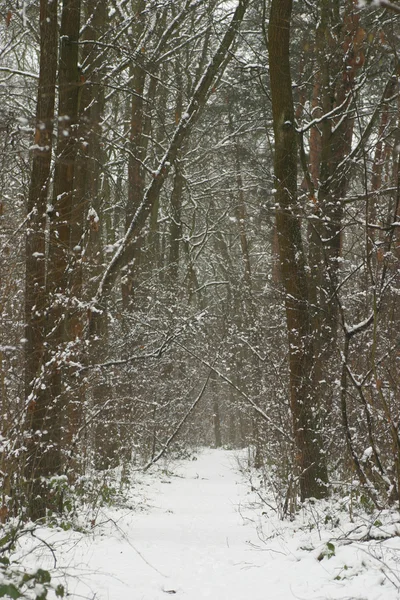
180, 425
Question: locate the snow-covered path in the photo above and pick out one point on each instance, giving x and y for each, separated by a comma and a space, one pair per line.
198, 539
194, 544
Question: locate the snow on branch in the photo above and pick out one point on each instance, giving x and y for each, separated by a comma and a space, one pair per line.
189, 116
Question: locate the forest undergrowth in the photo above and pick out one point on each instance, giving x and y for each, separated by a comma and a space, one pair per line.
345, 534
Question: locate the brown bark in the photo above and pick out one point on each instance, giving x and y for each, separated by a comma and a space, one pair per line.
86, 226
177, 191
136, 157
311, 463
216, 411
48, 411
36, 225
241, 217
380, 158
156, 240
176, 225
330, 144
35, 278
90, 155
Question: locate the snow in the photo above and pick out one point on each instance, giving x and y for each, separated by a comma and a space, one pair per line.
92, 215
202, 533
367, 454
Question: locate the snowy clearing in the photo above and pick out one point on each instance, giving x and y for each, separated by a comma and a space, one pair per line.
204, 534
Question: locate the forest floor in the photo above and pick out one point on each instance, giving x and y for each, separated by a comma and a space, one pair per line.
196, 530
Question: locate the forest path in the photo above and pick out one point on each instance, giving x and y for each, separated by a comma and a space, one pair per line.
193, 535
198, 539
194, 542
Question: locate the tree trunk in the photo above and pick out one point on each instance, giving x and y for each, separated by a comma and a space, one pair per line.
86, 217
35, 277
36, 226
216, 411
311, 463
136, 158
47, 413
330, 144
177, 192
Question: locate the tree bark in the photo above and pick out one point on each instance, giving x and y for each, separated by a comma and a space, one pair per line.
310, 460
330, 144
86, 248
48, 411
136, 157
177, 190
35, 279
35, 248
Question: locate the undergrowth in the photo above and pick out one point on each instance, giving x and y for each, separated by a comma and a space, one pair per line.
82, 503
345, 532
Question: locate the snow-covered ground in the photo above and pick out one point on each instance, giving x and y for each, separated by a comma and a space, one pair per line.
204, 534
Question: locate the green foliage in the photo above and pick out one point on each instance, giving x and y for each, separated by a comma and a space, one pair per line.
330, 550
332, 520
327, 552
85, 497
367, 504
9, 591
108, 494
16, 581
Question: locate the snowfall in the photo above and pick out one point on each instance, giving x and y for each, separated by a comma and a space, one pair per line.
197, 528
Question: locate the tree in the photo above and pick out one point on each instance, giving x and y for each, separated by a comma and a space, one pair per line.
312, 469
35, 278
